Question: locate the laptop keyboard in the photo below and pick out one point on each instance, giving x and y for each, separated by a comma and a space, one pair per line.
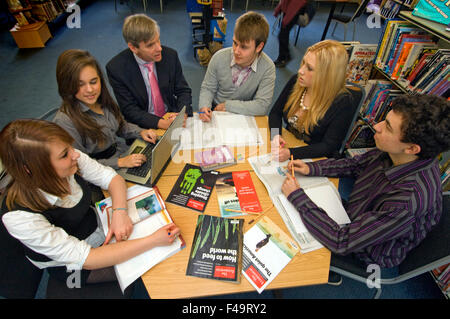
142, 170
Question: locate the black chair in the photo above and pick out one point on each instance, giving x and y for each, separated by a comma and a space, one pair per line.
346, 19
57, 289
432, 252
307, 13
358, 95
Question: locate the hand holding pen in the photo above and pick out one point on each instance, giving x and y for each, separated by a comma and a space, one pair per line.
205, 114
279, 152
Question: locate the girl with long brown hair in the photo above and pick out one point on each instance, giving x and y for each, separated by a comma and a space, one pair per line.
47, 219
91, 116
315, 104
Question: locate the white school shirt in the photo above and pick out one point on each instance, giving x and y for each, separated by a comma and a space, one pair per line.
38, 234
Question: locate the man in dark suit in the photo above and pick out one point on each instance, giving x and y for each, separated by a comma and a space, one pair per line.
147, 78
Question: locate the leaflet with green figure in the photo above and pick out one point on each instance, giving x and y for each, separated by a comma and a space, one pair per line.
193, 188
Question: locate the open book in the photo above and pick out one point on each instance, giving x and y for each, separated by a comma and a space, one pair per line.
148, 213
224, 129
319, 189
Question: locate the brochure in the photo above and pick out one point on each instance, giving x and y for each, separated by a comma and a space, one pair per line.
216, 251
267, 250
236, 192
193, 188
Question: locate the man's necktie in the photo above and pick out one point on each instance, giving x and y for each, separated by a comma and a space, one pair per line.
157, 100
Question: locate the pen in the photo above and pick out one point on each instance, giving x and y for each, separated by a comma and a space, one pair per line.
292, 168
261, 214
240, 211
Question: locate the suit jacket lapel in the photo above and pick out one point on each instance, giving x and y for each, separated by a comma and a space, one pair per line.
137, 81
162, 70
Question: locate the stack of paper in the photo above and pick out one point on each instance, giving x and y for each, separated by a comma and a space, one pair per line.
224, 129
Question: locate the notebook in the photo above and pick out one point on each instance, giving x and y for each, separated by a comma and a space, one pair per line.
158, 155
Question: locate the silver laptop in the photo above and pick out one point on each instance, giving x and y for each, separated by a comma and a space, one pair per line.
158, 155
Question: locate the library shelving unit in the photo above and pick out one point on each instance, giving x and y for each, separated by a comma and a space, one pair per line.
442, 38
33, 17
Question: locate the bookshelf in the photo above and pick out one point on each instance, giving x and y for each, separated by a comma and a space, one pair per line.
432, 27
32, 16
390, 8
432, 39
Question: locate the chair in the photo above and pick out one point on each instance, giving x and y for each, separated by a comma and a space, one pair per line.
246, 5
432, 252
144, 3
346, 19
358, 96
49, 114
307, 14
57, 289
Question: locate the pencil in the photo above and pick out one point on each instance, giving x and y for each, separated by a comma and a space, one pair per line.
262, 214
241, 211
292, 168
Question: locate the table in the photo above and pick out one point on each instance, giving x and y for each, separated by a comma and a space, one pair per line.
168, 279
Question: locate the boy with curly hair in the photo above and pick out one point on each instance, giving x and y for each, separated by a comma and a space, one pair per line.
397, 197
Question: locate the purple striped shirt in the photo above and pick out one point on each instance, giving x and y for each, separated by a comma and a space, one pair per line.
391, 208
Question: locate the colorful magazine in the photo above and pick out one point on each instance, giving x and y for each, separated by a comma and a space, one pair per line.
236, 192
216, 251
267, 250
193, 188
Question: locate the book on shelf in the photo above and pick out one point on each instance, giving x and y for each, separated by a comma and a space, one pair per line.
399, 34
386, 39
320, 190
434, 10
352, 152
216, 251
430, 69
148, 213
349, 45
236, 192
415, 51
361, 136
389, 9
215, 158
399, 56
360, 63
267, 250
193, 188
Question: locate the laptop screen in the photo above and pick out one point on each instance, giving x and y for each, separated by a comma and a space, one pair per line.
166, 147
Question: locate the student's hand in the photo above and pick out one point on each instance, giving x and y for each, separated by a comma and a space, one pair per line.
299, 167
149, 136
205, 114
121, 226
279, 151
132, 160
290, 184
220, 107
165, 123
165, 235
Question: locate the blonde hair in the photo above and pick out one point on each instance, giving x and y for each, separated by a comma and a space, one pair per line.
328, 82
25, 153
139, 27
